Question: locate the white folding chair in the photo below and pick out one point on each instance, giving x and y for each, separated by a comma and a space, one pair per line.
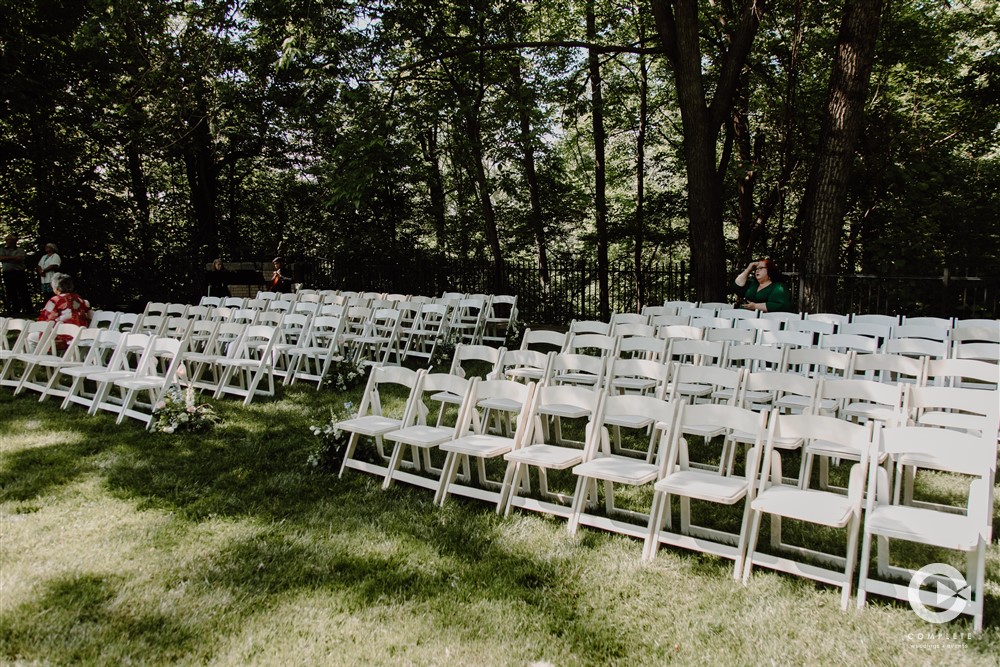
61, 349
422, 437
156, 372
544, 340
316, 350
545, 453
373, 420
601, 464
476, 442
679, 478
249, 364
968, 530
783, 501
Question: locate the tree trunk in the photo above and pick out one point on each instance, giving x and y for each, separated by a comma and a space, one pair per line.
435, 183
640, 186
485, 199
600, 179
530, 173
678, 27
825, 199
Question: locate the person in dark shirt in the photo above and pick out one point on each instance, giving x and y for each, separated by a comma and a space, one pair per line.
762, 287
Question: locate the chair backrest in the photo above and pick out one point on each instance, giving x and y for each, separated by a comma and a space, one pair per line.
632, 329
126, 322
658, 412
708, 383
969, 373
618, 319
537, 363
737, 336
543, 340
696, 352
756, 358
672, 331
692, 312
786, 338
573, 368
816, 362
669, 319
845, 392
104, 319
848, 342
712, 322
765, 389
588, 343
696, 417
210, 301
643, 347
638, 376
833, 318
958, 408
591, 327
938, 322
916, 347
874, 318
487, 357
855, 440
890, 368
923, 331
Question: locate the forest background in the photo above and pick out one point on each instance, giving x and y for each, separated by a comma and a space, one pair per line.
147, 137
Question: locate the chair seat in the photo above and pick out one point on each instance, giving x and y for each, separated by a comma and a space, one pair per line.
482, 445
633, 384
620, 469
421, 435
525, 373
629, 421
547, 456
370, 425
562, 410
869, 411
703, 485
499, 404
576, 378
447, 397
803, 402
704, 430
781, 442
47, 360
140, 383
822, 507
694, 389
945, 419
926, 526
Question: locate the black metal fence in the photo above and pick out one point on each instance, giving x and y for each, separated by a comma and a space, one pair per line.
572, 289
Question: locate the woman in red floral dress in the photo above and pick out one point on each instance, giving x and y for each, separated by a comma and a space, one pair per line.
65, 307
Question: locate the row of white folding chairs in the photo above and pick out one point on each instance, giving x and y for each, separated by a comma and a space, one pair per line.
974, 347
931, 329
719, 309
761, 487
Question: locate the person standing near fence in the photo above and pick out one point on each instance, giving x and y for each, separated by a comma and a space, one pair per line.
48, 266
15, 277
762, 287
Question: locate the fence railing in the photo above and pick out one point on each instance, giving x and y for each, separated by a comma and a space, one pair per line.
572, 290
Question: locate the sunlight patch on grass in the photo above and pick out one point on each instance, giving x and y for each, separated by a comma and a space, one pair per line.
32, 434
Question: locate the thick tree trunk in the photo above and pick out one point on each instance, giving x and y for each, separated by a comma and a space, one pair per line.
678, 27
600, 179
825, 199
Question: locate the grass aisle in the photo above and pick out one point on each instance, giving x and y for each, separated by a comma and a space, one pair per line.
122, 547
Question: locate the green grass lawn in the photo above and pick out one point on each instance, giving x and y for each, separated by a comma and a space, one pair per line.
122, 547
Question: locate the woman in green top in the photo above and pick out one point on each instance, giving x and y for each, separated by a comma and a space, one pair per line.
763, 289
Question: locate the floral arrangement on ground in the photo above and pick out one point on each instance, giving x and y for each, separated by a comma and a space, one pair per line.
331, 441
345, 373
179, 413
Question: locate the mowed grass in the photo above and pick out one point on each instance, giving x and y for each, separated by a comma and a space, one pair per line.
122, 547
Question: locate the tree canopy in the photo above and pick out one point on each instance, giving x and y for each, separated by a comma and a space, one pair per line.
148, 137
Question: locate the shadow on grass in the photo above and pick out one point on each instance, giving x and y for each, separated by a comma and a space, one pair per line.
84, 625
318, 535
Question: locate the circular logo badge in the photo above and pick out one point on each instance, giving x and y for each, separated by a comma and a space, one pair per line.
947, 591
